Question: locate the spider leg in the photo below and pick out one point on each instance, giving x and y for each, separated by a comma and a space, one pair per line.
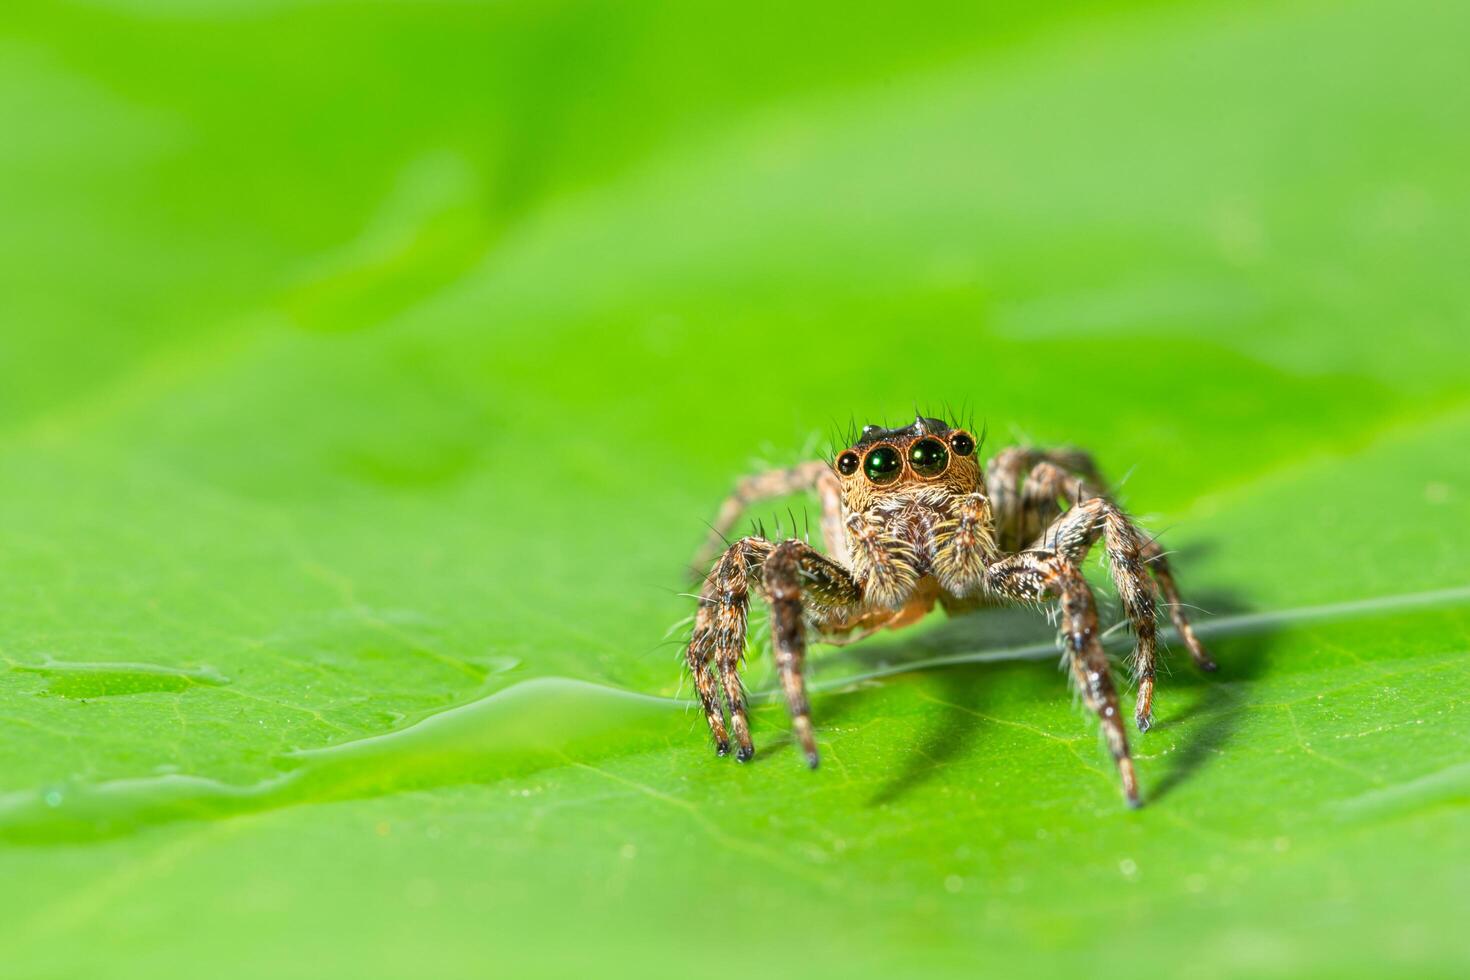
1003, 475
1031, 576
1153, 554
1073, 534
1019, 515
718, 641
1081, 464
700, 656
1129, 551
815, 475
799, 580
963, 547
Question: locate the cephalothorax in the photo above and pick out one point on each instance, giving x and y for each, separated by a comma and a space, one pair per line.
909, 519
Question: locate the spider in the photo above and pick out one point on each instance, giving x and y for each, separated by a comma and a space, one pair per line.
910, 520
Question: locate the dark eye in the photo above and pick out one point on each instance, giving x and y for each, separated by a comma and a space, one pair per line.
882, 464
847, 463
962, 444
928, 457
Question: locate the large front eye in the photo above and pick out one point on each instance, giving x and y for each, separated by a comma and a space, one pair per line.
928, 457
882, 464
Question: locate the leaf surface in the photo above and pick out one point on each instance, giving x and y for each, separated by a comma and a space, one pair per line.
361, 401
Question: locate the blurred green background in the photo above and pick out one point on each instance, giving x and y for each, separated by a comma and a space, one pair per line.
368, 372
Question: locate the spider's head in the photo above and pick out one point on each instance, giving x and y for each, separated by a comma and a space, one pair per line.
927, 454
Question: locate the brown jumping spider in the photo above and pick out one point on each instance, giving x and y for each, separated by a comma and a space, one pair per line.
909, 520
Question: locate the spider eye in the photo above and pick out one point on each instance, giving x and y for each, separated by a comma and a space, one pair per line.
882, 464
928, 457
962, 444
847, 463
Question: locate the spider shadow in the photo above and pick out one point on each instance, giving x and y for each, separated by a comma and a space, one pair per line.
1019, 648
1214, 712
950, 734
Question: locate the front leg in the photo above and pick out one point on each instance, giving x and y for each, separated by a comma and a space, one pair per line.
964, 546
794, 572
799, 581
1073, 534
718, 641
1131, 556
1035, 575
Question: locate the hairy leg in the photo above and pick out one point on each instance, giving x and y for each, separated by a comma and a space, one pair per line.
718, 640
964, 546
1159, 565
815, 475
1047, 485
800, 581
1019, 515
1073, 534
1031, 576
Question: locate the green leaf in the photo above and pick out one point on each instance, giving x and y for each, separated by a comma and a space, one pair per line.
367, 375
